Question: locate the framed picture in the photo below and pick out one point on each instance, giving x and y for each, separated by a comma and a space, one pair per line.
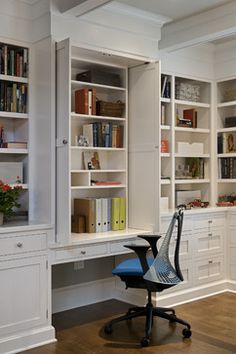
91, 160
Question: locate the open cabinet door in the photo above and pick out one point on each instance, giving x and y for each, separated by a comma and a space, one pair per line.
144, 156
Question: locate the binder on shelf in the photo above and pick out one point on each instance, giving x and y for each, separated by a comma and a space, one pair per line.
122, 214
115, 214
98, 213
109, 200
86, 207
104, 214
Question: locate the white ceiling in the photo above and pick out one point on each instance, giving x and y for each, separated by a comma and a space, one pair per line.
175, 9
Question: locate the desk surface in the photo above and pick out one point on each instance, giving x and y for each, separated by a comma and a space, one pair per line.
94, 245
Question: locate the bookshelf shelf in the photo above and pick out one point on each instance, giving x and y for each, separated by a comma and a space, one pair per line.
226, 104
191, 181
98, 187
165, 181
165, 154
165, 127
226, 180
79, 84
207, 156
98, 171
192, 130
14, 115
192, 104
10, 78
13, 151
96, 148
225, 130
24, 186
226, 155
94, 117
165, 100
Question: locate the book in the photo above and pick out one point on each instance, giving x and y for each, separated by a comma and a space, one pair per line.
163, 85
104, 183
163, 114
15, 145
115, 214
85, 101
164, 146
98, 217
87, 208
191, 114
122, 214
91, 160
229, 142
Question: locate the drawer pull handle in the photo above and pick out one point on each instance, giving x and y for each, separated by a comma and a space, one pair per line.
19, 244
209, 234
210, 262
210, 221
83, 252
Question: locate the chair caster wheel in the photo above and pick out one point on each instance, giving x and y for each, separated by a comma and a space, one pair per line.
145, 342
108, 329
187, 333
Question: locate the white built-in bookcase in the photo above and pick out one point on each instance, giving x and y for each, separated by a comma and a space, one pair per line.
226, 107
13, 118
174, 134
73, 180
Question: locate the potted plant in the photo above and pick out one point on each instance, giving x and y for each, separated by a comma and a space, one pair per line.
9, 196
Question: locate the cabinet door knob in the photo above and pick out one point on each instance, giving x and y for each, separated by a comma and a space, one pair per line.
83, 252
19, 244
209, 234
65, 142
210, 262
210, 221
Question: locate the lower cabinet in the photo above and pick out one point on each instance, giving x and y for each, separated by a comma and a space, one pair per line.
208, 270
23, 296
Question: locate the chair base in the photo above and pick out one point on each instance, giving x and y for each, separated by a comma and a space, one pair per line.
150, 312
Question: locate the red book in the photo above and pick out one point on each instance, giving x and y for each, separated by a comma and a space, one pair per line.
85, 101
191, 114
164, 146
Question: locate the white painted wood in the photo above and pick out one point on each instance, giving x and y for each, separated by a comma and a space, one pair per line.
144, 140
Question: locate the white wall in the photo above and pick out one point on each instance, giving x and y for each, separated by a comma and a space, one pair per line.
225, 60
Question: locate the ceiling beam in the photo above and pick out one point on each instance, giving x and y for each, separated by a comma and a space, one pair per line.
78, 8
201, 28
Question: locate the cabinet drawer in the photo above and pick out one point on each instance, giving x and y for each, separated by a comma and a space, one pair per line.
232, 219
118, 247
165, 222
23, 243
209, 221
82, 252
186, 270
209, 269
232, 236
209, 242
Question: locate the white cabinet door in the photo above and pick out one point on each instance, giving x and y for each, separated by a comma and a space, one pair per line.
209, 269
209, 242
23, 295
144, 173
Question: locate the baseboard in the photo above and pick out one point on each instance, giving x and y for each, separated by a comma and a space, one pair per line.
231, 285
70, 297
175, 298
22, 341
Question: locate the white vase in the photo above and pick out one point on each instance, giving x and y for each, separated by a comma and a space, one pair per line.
1, 218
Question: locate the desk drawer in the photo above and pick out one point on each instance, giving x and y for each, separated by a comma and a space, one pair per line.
165, 222
208, 221
82, 252
23, 243
118, 246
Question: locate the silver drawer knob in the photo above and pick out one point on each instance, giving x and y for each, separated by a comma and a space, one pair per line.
83, 252
19, 244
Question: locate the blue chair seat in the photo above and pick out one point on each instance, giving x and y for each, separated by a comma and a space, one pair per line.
131, 267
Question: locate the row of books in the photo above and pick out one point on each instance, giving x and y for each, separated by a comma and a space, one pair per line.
13, 97
13, 61
226, 142
102, 214
103, 134
165, 87
227, 167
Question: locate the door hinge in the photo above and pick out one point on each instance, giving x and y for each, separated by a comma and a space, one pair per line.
47, 313
46, 264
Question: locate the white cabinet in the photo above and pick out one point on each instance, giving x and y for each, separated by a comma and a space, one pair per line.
24, 296
231, 246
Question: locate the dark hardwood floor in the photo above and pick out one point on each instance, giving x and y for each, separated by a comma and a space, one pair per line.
80, 331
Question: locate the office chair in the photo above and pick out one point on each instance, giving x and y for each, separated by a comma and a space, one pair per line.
155, 274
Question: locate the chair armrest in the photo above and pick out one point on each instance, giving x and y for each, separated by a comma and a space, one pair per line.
152, 240
141, 251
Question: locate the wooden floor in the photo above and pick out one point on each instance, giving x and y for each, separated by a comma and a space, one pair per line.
80, 331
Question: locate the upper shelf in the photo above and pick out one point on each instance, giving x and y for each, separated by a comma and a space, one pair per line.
76, 84
192, 104
22, 80
4, 114
95, 117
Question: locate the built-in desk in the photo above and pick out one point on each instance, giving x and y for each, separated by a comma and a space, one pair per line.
94, 245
